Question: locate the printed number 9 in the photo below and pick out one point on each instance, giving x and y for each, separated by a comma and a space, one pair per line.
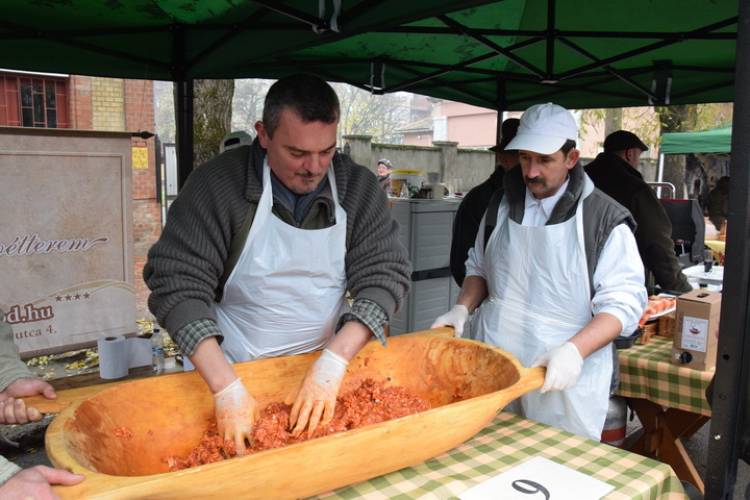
530, 487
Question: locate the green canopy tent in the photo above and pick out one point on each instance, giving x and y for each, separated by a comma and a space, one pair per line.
504, 54
717, 140
507, 54
708, 141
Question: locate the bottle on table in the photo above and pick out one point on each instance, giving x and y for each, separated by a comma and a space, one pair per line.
157, 350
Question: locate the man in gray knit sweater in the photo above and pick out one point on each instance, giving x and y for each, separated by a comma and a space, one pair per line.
260, 249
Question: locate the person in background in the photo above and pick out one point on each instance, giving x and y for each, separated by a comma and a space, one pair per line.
559, 278
16, 381
384, 173
717, 203
616, 172
474, 204
234, 140
260, 249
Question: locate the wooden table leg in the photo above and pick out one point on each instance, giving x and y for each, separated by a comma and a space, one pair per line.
662, 429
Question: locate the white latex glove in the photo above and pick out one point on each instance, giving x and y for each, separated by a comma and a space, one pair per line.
456, 317
315, 399
563, 367
236, 413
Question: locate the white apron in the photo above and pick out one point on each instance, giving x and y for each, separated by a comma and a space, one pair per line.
288, 289
539, 297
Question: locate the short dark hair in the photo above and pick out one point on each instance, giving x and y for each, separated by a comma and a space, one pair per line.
310, 97
567, 146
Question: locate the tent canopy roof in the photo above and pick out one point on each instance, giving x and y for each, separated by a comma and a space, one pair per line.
709, 141
499, 54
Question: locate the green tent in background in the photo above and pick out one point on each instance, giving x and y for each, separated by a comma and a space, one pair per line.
709, 141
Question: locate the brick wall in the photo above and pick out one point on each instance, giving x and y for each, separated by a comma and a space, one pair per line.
81, 112
125, 105
108, 103
139, 117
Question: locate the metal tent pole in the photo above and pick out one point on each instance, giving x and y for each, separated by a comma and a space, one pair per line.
502, 105
730, 420
185, 123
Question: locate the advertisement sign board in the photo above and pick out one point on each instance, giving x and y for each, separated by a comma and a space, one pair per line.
66, 240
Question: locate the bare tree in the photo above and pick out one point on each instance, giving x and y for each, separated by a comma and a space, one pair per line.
247, 107
688, 118
361, 112
164, 114
379, 116
213, 115
641, 119
678, 118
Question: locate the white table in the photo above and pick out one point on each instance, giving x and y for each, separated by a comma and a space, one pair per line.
714, 277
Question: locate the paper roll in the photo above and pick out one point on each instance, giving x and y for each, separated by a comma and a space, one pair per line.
139, 352
113, 356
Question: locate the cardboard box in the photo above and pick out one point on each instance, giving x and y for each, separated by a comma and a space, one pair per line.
696, 330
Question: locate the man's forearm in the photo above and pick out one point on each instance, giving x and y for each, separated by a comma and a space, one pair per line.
350, 339
473, 292
599, 332
212, 365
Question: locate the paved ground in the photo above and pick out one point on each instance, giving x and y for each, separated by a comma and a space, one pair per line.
697, 447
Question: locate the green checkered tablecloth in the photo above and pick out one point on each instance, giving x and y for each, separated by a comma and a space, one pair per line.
647, 373
506, 442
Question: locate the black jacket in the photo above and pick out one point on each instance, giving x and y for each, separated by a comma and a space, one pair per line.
466, 222
618, 179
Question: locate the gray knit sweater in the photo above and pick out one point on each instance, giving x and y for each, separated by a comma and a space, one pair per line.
11, 366
7, 470
11, 369
184, 266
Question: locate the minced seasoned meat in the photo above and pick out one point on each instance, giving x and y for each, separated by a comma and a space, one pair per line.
370, 403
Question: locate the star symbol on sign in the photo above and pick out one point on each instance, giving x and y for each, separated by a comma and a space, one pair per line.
68, 297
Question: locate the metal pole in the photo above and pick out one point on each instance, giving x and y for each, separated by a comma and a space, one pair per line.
158, 150
731, 384
185, 124
660, 175
502, 104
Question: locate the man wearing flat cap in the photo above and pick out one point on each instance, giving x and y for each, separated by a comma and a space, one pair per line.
616, 172
384, 173
558, 278
471, 210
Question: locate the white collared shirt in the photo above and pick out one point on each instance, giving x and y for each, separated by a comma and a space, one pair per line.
537, 212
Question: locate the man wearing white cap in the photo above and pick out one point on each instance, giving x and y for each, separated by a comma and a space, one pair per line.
559, 278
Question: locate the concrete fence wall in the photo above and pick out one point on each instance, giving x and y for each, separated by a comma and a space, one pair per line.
472, 166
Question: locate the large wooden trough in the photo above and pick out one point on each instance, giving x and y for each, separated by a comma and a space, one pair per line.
467, 382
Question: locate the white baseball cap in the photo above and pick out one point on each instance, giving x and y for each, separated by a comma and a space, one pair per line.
235, 140
544, 128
